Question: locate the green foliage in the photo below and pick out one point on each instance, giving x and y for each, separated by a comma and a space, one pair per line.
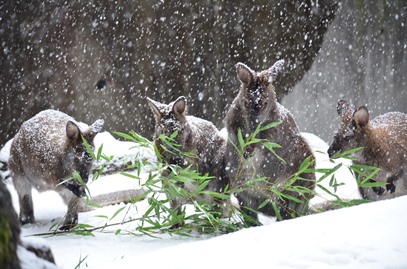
211, 212
81, 261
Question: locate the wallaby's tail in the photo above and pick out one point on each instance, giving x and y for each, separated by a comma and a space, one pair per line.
112, 198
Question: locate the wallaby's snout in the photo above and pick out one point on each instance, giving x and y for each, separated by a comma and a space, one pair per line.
335, 146
332, 151
78, 190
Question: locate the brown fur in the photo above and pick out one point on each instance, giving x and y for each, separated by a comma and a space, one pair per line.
256, 103
196, 136
47, 149
384, 143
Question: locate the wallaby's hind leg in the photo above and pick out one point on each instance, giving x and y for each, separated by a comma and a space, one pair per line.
26, 209
23, 188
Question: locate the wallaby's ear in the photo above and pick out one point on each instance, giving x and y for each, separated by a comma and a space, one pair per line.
343, 108
94, 129
97, 126
244, 73
273, 71
179, 106
72, 132
154, 108
361, 116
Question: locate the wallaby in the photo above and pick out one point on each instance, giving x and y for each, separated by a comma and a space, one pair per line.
45, 152
256, 104
384, 142
195, 135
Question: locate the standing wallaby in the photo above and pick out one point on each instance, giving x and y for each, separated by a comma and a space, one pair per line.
194, 135
256, 103
45, 152
384, 142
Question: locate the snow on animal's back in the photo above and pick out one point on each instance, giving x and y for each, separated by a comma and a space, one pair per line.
45, 133
395, 124
202, 128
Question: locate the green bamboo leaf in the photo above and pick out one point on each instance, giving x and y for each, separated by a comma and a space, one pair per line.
270, 125
88, 147
117, 212
78, 178
327, 191
202, 187
238, 150
278, 215
241, 140
99, 153
346, 154
263, 204
221, 196
125, 136
129, 175
271, 146
304, 165
373, 184
328, 172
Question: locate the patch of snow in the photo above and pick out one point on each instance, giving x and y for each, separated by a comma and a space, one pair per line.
117, 148
5, 152
348, 190
224, 133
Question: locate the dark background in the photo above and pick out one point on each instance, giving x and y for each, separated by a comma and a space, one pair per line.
102, 58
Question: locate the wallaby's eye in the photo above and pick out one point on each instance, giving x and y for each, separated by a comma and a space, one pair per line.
264, 102
349, 134
347, 138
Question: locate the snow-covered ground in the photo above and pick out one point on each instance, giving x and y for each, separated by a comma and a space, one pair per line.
366, 236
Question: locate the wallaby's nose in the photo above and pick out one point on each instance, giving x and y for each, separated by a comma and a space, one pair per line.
78, 190
332, 151
84, 176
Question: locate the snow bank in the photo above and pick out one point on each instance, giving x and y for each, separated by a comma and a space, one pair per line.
365, 236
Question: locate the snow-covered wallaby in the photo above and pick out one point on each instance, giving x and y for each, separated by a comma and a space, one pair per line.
384, 142
195, 135
256, 103
45, 152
